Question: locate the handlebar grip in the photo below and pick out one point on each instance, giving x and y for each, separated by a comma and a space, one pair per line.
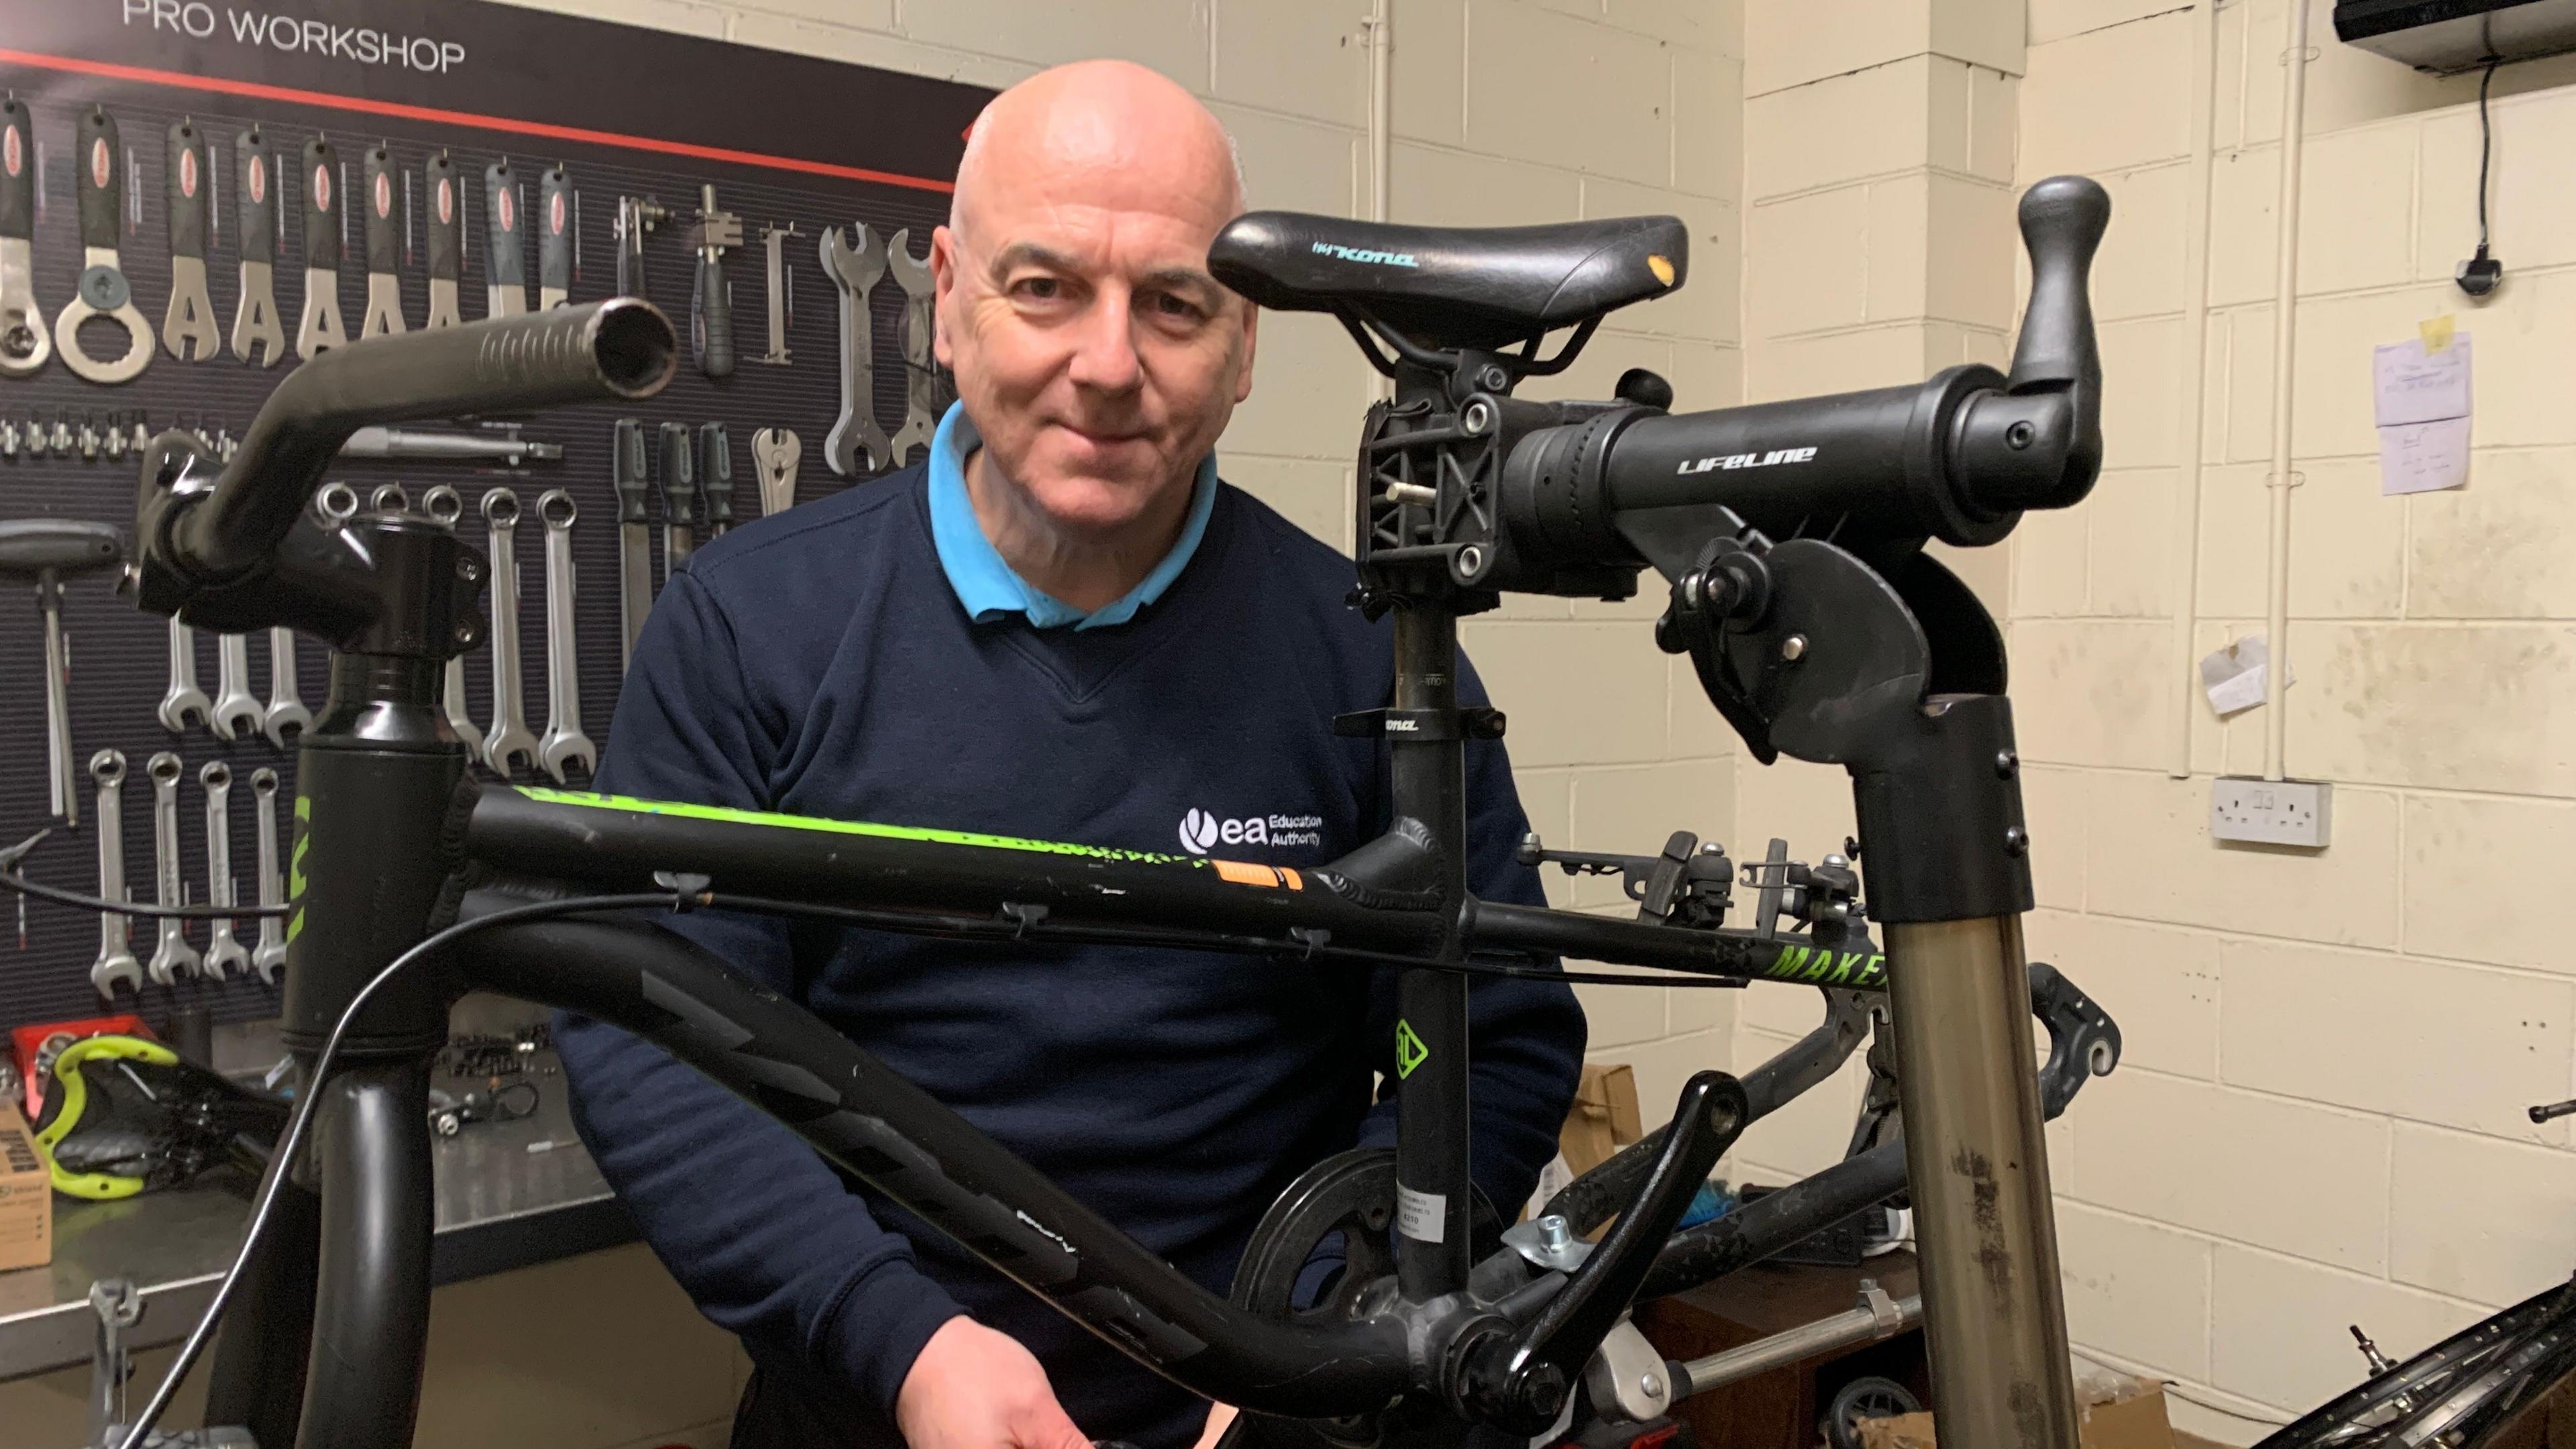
616, 349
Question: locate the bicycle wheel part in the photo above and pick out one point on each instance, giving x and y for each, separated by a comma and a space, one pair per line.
1349, 1196
1864, 1398
2356, 1416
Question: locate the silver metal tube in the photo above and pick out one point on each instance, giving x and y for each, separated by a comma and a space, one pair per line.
1984, 1230
1878, 1317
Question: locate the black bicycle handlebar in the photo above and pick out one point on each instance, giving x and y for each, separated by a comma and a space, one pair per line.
218, 529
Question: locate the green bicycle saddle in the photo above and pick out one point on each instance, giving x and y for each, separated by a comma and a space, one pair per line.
122, 1115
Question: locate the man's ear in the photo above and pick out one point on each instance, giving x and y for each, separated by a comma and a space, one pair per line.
943, 281
1251, 336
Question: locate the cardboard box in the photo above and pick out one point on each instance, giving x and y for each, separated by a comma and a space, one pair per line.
26, 1195
1604, 1117
2132, 1417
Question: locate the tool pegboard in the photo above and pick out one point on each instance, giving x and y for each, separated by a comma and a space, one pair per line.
627, 115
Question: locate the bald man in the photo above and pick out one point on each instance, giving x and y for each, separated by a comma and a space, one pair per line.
1061, 626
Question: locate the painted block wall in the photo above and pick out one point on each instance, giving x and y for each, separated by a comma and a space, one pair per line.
1507, 111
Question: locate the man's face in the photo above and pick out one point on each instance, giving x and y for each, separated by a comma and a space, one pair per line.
1098, 358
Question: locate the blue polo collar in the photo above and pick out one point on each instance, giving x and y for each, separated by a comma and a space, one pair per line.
986, 584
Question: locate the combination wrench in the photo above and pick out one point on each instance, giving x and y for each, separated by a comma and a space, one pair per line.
237, 712
115, 965
25, 342
775, 453
856, 444
102, 292
174, 955
184, 706
270, 953
445, 505
564, 746
188, 323
508, 746
925, 387
286, 717
320, 330
224, 955
257, 335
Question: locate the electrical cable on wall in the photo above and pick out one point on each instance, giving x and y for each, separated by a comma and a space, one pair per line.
2482, 274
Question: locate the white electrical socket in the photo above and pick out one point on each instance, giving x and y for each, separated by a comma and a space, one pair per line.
2271, 812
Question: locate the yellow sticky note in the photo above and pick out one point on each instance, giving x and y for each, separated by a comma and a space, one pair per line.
2437, 332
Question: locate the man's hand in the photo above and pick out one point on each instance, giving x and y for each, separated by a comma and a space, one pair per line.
973, 1388
1220, 1418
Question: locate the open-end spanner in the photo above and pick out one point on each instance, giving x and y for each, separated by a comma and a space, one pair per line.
188, 323
445, 505
508, 746
25, 341
257, 335
775, 453
100, 185
384, 249
185, 706
565, 748
444, 230
321, 329
115, 965
174, 955
925, 387
270, 953
286, 716
856, 443
237, 712
224, 955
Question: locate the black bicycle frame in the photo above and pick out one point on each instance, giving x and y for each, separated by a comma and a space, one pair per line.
391, 834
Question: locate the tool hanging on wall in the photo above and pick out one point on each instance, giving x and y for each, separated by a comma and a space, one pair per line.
775, 453
711, 305
174, 955
255, 325
505, 257
115, 965
444, 231
237, 711
445, 506
225, 956
103, 292
184, 705
384, 249
24, 340
286, 718
44, 552
321, 329
856, 443
188, 323
715, 476
631, 471
926, 389
637, 216
554, 238
679, 484
508, 746
415, 443
270, 953
780, 273
566, 752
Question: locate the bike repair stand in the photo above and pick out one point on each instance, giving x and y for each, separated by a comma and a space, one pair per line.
1889, 666
347, 1254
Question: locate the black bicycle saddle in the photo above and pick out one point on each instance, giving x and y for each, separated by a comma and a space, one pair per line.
1444, 287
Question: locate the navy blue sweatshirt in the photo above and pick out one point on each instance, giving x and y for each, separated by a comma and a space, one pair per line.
819, 663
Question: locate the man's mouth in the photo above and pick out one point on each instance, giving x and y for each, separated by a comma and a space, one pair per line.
1104, 437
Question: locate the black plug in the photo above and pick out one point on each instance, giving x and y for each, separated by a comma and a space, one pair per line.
2480, 275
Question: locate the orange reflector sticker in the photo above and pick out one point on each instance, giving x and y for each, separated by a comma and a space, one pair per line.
1245, 873
1662, 267
1296, 882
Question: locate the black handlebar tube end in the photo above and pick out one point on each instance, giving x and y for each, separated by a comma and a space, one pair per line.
619, 348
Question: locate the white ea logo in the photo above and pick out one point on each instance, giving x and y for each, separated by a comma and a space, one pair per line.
1198, 831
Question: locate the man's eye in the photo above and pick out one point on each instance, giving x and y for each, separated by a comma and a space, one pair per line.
1176, 308
1039, 289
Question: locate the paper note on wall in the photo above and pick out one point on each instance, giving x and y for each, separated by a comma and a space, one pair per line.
2234, 678
2420, 398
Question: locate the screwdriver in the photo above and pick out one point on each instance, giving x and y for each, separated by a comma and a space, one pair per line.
46, 551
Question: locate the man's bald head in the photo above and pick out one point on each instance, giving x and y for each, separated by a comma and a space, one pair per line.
1103, 131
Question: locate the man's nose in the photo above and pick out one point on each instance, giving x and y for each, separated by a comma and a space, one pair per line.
1104, 352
